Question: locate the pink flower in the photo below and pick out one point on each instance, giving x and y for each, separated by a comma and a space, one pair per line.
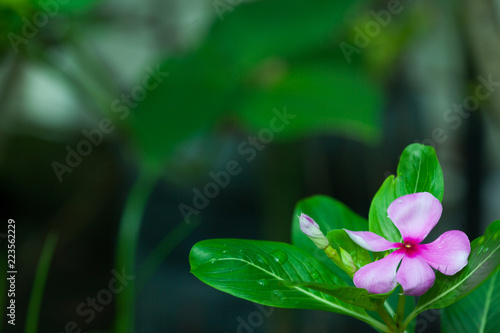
414, 215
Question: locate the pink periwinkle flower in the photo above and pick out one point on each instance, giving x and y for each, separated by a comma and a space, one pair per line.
414, 215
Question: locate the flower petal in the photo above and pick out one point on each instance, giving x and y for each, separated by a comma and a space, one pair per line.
415, 215
448, 253
307, 221
415, 275
379, 277
371, 241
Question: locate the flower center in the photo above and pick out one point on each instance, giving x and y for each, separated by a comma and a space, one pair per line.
411, 248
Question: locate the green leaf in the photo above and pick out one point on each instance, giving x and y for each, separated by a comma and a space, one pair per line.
330, 214
477, 312
257, 271
339, 239
483, 261
324, 98
418, 171
258, 30
189, 99
378, 220
351, 295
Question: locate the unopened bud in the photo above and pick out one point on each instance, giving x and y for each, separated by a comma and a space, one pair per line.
347, 261
311, 229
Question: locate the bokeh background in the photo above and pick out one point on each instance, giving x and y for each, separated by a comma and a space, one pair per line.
167, 93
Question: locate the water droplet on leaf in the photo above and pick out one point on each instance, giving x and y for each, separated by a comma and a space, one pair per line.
277, 296
280, 256
262, 283
314, 274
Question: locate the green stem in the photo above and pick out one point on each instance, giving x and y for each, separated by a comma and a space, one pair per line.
161, 251
128, 236
400, 312
391, 325
39, 283
408, 320
389, 308
391, 312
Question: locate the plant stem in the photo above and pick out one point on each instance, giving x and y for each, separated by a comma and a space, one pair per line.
162, 250
412, 316
408, 319
400, 312
391, 325
128, 237
42, 271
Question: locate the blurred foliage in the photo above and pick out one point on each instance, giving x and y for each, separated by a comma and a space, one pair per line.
262, 56
394, 33
324, 97
22, 20
257, 57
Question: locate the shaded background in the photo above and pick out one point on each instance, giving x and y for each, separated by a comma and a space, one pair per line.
362, 83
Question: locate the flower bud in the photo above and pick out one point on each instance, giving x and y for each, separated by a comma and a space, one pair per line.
311, 229
347, 261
